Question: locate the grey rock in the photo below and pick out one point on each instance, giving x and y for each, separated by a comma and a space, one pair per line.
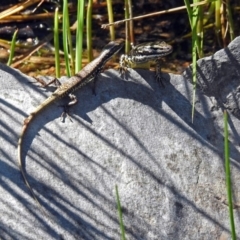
218, 76
134, 134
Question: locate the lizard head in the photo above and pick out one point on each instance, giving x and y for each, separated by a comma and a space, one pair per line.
113, 47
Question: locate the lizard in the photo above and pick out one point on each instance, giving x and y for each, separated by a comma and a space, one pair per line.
145, 52
84, 76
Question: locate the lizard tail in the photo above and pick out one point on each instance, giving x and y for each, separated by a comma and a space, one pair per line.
20, 160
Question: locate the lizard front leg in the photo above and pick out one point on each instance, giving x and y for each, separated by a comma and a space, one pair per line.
123, 64
66, 107
158, 71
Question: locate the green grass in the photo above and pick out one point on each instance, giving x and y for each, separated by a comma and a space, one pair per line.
12, 48
66, 30
123, 237
111, 19
193, 15
89, 30
79, 35
228, 176
56, 43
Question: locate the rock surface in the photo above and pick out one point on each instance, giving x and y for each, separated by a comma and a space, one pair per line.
134, 134
219, 77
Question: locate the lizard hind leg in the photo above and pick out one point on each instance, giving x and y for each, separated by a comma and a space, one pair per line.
94, 86
45, 84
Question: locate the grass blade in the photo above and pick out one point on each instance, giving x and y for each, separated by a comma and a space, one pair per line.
12, 48
89, 30
110, 19
228, 175
56, 43
120, 214
79, 35
195, 12
65, 36
189, 11
230, 20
